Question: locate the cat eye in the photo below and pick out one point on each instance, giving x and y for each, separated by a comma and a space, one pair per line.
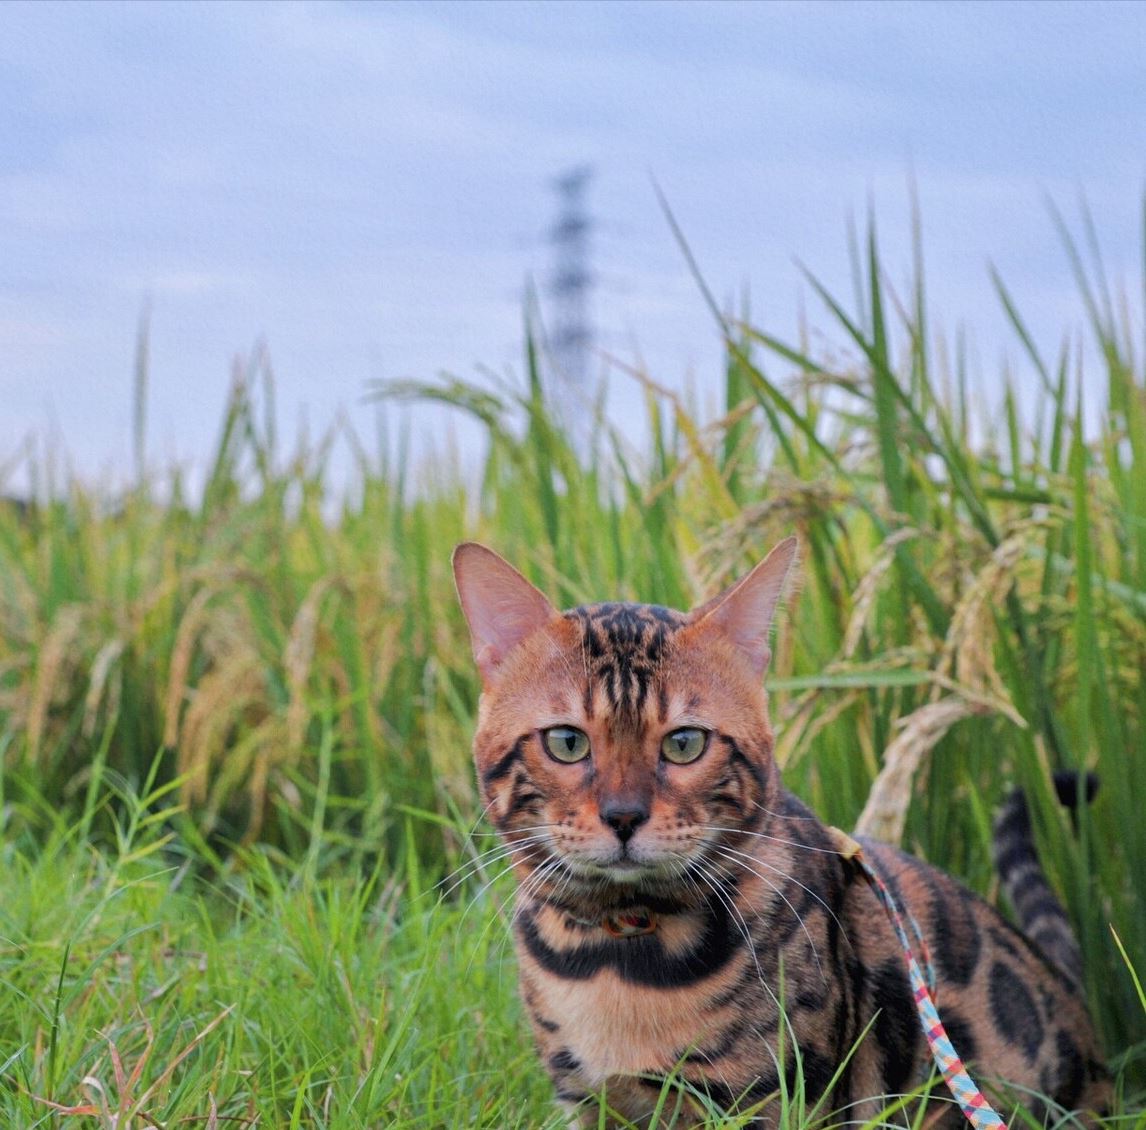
682, 746
564, 743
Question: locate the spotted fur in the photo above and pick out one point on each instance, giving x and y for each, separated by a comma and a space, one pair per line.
765, 940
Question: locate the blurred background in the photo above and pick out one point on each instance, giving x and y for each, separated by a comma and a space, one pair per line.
370, 190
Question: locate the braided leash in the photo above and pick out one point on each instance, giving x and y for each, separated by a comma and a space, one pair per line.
971, 1100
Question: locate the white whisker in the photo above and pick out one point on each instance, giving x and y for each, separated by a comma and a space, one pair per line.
772, 839
764, 879
791, 879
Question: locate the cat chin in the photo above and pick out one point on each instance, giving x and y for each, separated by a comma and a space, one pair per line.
619, 871
628, 873
628, 876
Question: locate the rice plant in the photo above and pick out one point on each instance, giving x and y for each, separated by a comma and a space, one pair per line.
234, 722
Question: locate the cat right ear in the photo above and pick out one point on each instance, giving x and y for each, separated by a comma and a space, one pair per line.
743, 612
501, 607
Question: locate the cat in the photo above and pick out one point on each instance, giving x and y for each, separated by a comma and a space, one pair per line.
675, 903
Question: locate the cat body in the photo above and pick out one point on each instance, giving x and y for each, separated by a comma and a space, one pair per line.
678, 911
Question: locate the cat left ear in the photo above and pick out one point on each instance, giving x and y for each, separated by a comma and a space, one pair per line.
501, 607
743, 612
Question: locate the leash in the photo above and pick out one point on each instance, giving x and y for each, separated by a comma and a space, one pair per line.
971, 1100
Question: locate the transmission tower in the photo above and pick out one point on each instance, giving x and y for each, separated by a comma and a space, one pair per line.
571, 334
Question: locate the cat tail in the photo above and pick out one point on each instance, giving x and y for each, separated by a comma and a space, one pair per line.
1039, 911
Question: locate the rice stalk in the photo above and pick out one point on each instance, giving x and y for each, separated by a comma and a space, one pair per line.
186, 639
299, 656
884, 816
101, 682
56, 657
864, 598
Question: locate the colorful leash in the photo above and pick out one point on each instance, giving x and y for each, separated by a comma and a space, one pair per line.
971, 1100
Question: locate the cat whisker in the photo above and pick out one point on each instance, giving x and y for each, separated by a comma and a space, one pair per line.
489, 855
487, 859
533, 884
473, 831
525, 828
724, 853
935, 1096
730, 905
784, 815
791, 879
499, 914
482, 890
682, 870
772, 839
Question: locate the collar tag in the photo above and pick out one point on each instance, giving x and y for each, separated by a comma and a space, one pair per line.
629, 923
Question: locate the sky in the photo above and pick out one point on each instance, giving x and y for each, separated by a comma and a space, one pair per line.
366, 188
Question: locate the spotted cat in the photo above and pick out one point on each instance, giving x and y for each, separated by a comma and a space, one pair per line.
675, 903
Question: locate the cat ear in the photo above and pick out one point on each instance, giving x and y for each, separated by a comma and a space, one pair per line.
743, 612
501, 607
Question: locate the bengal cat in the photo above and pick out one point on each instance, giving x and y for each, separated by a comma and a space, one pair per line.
678, 910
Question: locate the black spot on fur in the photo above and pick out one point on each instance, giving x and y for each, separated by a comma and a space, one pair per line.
956, 944
811, 998
737, 756
787, 914
625, 644
1044, 906
897, 1028
1071, 1070
959, 1033
1018, 938
720, 1046
1000, 938
818, 1070
564, 1060
1014, 1010
745, 983
1018, 853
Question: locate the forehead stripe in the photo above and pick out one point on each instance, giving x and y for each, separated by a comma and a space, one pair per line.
623, 645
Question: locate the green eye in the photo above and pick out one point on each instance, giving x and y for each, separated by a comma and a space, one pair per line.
566, 744
683, 746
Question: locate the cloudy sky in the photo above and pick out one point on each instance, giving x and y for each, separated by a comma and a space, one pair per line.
366, 186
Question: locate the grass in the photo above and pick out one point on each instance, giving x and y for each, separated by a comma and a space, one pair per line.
234, 724
138, 988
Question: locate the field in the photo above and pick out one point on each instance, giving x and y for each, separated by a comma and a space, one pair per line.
243, 879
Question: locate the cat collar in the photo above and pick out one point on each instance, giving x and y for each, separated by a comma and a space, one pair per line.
629, 923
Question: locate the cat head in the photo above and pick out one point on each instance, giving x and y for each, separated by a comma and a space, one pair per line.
620, 742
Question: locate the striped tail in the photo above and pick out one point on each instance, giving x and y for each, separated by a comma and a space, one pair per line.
1039, 911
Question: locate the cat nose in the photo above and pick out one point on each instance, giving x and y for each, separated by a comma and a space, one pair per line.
624, 817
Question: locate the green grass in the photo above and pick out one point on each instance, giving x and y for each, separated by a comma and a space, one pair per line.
280, 671
140, 985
